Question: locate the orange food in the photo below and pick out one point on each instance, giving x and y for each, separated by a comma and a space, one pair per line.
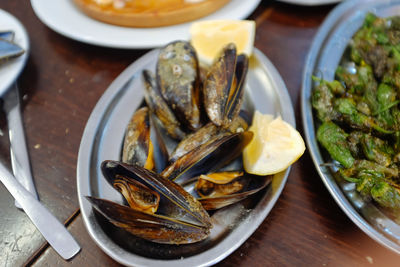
148, 13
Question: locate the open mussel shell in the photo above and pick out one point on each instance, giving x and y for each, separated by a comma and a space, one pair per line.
157, 136
153, 227
175, 202
218, 83
208, 157
138, 148
236, 93
224, 86
246, 185
179, 219
177, 74
193, 140
206, 134
143, 143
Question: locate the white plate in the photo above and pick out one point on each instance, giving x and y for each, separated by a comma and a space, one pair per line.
65, 18
10, 70
311, 2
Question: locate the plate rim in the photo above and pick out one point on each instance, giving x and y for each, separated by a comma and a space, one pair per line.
84, 156
311, 3
181, 29
307, 119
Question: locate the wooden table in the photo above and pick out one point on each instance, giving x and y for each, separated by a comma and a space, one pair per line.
62, 82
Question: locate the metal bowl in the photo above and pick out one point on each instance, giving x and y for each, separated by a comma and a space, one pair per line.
324, 56
102, 139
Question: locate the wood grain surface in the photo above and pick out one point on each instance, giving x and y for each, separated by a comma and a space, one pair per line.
62, 82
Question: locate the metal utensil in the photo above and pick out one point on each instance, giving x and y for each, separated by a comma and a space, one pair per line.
18, 149
7, 35
9, 49
52, 230
19, 153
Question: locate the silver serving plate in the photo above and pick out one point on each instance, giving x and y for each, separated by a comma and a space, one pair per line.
102, 139
324, 56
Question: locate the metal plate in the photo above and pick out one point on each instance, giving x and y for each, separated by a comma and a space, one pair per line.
323, 58
102, 139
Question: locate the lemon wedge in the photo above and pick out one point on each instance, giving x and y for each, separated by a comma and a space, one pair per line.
274, 147
210, 36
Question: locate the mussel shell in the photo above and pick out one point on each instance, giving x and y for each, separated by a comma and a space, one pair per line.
252, 184
159, 107
218, 84
152, 227
137, 143
207, 133
157, 136
177, 74
236, 93
208, 157
193, 140
175, 202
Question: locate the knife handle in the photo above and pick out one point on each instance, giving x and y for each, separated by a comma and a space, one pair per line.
52, 230
18, 148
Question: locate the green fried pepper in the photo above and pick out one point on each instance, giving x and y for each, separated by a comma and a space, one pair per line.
333, 139
360, 112
386, 195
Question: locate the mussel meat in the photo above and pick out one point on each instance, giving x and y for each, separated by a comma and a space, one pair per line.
219, 184
218, 190
138, 196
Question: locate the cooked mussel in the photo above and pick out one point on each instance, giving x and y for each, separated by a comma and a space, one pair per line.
208, 157
138, 148
138, 196
152, 227
217, 190
177, 74
219, 184
224, 86
193, 140
160, 108
178, 218
206, 134
156, 206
